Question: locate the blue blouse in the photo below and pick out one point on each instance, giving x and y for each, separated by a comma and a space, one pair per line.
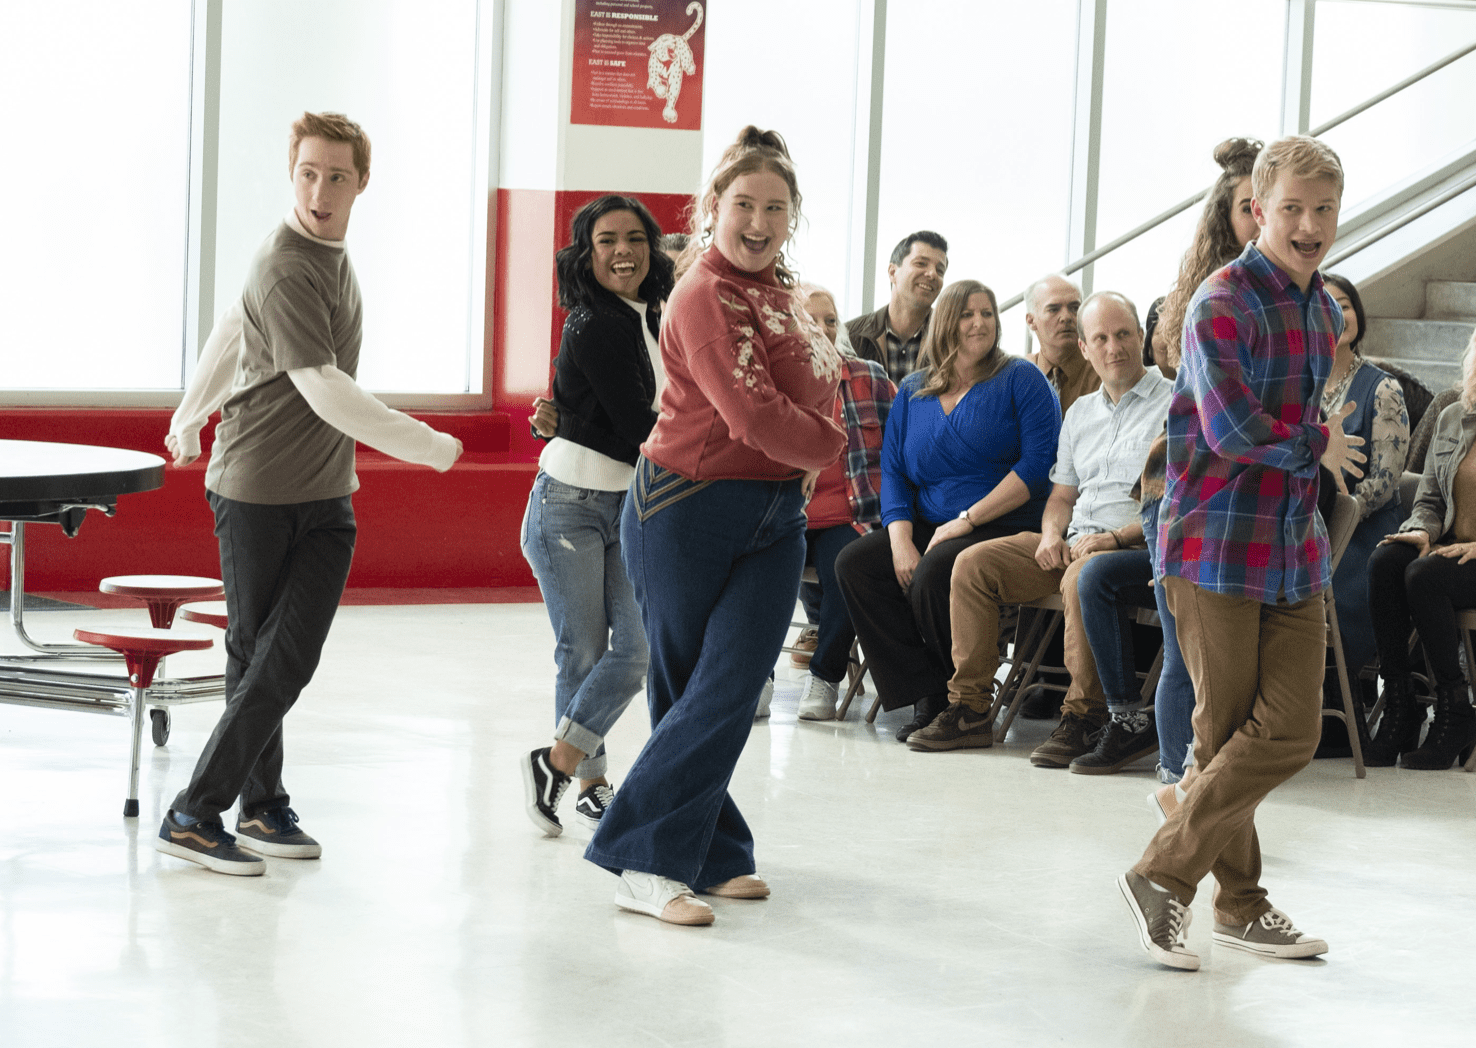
935, 466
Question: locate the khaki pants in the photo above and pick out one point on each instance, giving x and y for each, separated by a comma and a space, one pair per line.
1257, 671
1004, 571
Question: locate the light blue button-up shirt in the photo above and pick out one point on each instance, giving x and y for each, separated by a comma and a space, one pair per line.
1102, 450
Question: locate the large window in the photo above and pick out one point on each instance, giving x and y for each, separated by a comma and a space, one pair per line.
976, 138
406, 72
95, 114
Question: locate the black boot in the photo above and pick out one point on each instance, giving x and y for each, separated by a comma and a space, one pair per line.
924, 710
1399, 726
1452, 733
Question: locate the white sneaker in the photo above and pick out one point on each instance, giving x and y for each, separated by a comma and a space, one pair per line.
817, 702
660, 897
766, 699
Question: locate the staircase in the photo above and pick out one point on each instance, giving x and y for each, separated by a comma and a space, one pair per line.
1430, 347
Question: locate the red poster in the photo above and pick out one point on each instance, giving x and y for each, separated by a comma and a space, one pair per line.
638, 63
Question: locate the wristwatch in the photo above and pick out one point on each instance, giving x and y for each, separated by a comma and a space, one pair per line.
964, 516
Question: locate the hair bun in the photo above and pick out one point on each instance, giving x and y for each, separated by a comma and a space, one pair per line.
1238, 153
770, 141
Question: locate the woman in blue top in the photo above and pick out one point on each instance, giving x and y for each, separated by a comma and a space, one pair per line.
968, 450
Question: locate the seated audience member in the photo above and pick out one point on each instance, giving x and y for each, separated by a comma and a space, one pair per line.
845, 504
968, 447
893, 335
1051, 305
1103, 444
1419, 578
1381, 420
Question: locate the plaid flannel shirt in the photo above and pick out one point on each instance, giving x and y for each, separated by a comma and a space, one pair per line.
1239, 513
866, 397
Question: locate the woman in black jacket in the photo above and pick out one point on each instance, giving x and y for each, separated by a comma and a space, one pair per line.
607, 384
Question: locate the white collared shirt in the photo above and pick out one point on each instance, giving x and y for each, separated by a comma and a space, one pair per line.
1102, 450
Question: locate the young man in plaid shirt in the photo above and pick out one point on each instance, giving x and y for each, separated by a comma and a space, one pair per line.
1244, 555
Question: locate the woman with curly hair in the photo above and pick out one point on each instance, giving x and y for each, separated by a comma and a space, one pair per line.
713, 533
607, 381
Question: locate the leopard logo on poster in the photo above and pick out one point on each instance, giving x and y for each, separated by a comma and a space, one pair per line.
671, 59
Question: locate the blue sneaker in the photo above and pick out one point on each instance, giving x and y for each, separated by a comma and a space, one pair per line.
275, 833
209, 845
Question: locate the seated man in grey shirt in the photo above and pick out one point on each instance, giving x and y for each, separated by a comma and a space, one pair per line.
1104, 441
280, 366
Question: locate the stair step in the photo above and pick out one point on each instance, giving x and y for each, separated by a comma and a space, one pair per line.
1396, 338
1450, 300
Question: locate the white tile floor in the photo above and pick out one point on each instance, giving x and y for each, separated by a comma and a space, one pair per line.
949, 898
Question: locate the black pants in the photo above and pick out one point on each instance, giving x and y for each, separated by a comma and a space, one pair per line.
905, 633
1408, 591
284, 569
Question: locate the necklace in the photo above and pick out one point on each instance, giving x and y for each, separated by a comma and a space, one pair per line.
1334, 395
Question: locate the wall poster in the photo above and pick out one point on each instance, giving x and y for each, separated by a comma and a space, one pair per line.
638, 63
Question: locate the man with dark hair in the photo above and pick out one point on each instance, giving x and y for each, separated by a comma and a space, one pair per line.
893, 335
280, 365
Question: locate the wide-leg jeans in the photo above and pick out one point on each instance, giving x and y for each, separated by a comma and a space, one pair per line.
571, 539
284, 569
715, 566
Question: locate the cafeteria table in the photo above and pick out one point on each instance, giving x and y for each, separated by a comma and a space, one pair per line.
51, 483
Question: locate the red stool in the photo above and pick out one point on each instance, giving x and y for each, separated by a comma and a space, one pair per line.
210, 612
142, 649
163, 593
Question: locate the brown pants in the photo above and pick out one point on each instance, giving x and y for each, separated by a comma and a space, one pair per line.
1257, 671
1004, 571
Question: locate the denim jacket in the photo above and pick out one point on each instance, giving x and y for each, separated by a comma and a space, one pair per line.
1434, 503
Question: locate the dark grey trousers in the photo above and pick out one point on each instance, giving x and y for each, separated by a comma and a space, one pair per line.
284, 569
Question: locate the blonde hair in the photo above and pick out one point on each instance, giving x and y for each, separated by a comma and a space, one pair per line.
336, 128
1468, 374
940, 345
753, 150
1298, 155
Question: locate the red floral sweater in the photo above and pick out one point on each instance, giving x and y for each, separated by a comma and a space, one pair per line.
749, 389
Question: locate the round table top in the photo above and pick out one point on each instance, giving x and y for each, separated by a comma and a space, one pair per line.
41, 471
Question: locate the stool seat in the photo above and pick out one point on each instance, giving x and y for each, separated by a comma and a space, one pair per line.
143, 649
209, 612
162, 593
145, 641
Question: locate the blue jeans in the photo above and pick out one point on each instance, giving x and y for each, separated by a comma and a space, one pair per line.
1174, 702
571, 539
833, 622
1109, 586
716, 567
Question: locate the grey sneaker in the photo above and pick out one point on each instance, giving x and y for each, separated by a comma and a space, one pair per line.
275, 833
958, 727
766, 699
817, 701
1162, 921
1272, 935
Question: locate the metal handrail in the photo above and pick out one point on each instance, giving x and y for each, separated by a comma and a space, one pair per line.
1400, 222
1155, 222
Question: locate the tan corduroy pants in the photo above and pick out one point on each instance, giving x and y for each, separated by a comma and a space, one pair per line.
1257, 671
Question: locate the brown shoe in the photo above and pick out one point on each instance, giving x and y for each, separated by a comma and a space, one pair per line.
748, 886
1163, 802
1073, 737
808, 640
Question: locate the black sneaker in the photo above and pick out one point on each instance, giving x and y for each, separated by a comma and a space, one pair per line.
209, 845
1040, 703
958, 727
1118, 746
593, 803
543, 788
1073, 737
275, 833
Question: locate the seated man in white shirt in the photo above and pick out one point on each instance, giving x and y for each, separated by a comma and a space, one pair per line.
1104, 441
280, 366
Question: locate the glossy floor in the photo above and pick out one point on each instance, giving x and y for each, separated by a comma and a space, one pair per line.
953, 899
